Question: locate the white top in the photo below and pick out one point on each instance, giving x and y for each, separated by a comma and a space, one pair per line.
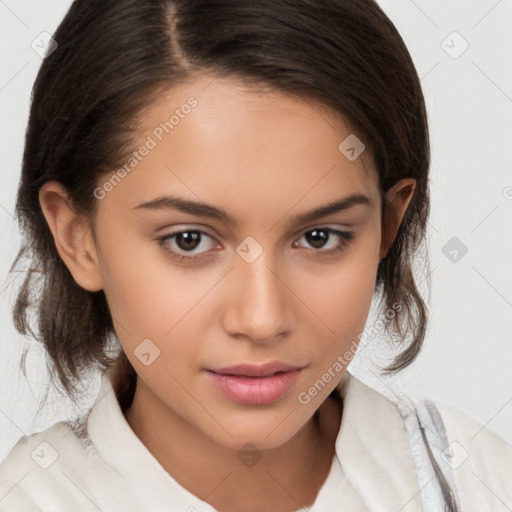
106, 467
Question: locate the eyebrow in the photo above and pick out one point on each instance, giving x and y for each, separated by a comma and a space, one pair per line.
205, 210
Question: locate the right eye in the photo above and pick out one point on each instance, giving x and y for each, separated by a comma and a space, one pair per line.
187, 244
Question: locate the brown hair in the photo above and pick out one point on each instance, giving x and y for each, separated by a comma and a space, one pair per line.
115, 56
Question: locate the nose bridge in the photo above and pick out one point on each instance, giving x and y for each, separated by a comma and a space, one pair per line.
261, 308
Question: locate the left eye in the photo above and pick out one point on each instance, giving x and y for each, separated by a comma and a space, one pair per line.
318, 238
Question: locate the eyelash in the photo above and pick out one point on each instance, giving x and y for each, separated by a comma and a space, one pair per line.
345, 237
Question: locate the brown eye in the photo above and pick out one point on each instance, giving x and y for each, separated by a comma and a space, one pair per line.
187, 244
317, 238
327, 240
188, 240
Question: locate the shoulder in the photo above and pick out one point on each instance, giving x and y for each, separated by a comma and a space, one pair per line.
477, 442
481, 461
55, 459
23, 464
475, 461
39, 451
476, 436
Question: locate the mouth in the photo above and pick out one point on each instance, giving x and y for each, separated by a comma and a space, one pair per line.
255, 384
252, 370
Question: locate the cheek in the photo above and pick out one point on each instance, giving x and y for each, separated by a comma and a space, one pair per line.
341, 297
135, 287
149, 296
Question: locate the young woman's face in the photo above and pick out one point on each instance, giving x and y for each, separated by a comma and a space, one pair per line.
211, 258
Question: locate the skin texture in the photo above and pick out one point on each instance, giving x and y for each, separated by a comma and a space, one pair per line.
264, 158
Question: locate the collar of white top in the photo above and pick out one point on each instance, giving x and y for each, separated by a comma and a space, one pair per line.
371, 447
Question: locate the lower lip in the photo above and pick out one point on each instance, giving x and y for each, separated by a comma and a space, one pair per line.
254, 390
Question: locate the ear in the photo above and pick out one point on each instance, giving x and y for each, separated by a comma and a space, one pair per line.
72, 235
399, 197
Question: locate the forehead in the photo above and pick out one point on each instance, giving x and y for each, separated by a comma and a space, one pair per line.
215, 138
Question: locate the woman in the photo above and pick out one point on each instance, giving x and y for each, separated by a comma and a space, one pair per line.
219, 190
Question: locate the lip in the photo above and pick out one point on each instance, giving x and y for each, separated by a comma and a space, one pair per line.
256, 370
255, 384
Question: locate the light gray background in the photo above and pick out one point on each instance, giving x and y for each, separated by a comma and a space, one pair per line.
467, 358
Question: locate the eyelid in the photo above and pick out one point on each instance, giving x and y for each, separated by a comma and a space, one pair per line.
230, 237
334, 226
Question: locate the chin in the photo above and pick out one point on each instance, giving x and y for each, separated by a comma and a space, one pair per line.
262, 433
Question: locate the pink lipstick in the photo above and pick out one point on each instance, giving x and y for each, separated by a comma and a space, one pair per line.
255, 384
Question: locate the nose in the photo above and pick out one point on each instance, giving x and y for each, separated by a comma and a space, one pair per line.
260, 305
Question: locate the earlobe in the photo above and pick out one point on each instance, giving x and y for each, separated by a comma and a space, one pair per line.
72, 236
398, 199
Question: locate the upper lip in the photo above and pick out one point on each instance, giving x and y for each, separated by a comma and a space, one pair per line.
255, 370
